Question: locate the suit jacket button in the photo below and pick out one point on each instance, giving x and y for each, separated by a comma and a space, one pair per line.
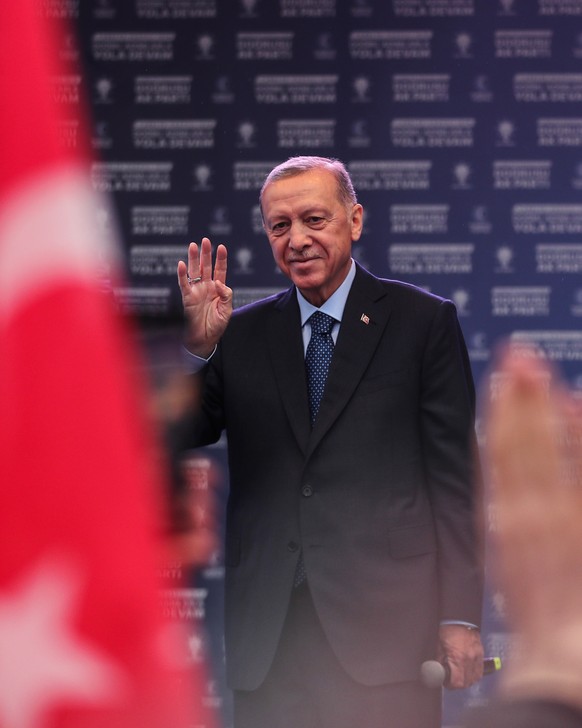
292, 546
307, 491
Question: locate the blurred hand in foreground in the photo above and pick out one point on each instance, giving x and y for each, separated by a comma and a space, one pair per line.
534, 449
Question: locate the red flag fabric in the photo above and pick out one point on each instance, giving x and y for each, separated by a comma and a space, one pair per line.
82, 642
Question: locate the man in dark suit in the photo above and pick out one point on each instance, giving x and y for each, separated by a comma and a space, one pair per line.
351, 553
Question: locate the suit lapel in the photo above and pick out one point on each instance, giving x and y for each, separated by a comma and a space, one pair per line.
363, 323
288, 359
364, 320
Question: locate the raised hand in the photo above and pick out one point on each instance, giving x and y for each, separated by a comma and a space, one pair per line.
206, 298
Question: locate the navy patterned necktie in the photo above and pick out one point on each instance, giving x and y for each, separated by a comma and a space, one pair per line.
317, 358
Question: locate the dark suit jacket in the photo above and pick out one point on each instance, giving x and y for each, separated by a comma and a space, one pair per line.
524, 714
379, 495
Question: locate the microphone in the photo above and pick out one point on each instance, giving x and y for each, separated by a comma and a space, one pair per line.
435, 674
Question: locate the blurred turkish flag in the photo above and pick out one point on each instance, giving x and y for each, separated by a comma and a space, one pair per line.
82, 641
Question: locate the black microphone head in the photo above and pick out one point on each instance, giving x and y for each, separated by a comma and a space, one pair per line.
433, 674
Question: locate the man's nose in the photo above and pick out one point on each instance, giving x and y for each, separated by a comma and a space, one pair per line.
298, 236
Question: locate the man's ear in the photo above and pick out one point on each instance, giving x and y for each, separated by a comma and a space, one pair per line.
357, 221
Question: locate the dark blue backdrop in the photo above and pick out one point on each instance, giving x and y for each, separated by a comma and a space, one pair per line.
459, 120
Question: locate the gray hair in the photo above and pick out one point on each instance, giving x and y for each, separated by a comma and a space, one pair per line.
298, 165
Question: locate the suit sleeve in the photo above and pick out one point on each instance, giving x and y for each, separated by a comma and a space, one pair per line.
452, 469
204, 424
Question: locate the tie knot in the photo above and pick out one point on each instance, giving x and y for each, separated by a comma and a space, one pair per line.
321, 323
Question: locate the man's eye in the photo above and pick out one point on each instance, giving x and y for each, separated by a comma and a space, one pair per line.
315, 220
278, 227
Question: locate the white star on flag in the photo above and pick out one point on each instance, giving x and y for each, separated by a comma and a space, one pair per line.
44, 662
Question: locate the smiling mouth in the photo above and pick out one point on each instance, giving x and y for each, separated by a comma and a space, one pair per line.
300, 261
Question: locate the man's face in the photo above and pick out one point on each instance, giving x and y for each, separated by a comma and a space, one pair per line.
311, 231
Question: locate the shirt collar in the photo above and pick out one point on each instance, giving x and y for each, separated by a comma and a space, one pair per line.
335, 304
